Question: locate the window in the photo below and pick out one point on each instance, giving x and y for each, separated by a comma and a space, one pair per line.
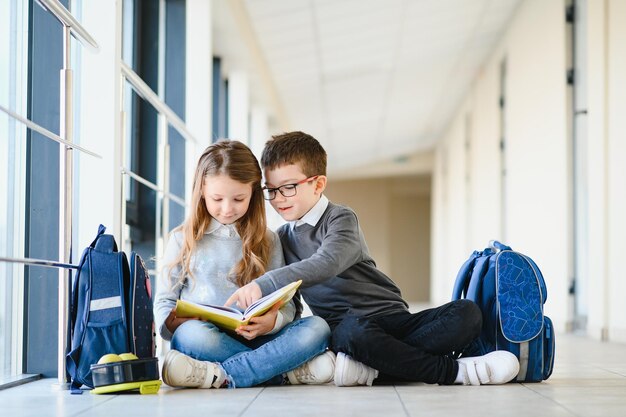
153, 35
220, 102
13, 84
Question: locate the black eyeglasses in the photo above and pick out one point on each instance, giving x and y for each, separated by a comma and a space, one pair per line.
287, 190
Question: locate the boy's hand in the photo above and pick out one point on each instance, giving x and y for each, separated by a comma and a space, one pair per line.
258, 326
245, 295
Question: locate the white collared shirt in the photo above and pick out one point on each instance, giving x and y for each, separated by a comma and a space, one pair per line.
312, 216
222, 230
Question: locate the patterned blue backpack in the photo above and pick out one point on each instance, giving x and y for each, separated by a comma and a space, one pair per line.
510, 291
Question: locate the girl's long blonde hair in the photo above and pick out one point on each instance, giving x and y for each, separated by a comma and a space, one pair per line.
236, 160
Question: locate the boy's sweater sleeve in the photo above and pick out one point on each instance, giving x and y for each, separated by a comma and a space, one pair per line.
166, 293
341, 247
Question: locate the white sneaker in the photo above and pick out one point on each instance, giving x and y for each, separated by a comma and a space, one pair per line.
180, 370
318, 370
497, 367
349, 372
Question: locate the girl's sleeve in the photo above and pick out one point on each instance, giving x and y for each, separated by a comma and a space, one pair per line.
166, 292
285, 316
277, 258
287, 313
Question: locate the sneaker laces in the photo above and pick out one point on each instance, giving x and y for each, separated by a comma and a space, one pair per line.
303, 374
198, 373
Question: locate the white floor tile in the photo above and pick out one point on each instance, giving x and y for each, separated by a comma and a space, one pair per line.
588, 380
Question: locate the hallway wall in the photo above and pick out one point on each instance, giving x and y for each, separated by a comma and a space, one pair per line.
530, 207
531, 214
394, 214
606, 161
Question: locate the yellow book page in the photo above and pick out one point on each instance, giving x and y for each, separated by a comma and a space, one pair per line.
262, 305
230, 318
223, 318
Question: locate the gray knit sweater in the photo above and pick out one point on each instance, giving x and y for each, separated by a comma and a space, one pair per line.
339, 277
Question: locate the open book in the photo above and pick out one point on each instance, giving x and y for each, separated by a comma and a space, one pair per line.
230, 318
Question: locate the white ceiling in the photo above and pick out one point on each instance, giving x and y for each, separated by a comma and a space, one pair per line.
375, 81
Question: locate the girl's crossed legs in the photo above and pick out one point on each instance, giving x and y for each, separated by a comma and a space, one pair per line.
251, 362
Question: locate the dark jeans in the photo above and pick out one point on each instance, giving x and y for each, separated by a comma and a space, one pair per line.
411, 347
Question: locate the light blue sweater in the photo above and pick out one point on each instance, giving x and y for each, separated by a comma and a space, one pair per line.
217, 252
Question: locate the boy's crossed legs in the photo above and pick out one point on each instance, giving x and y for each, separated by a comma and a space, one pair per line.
418, 347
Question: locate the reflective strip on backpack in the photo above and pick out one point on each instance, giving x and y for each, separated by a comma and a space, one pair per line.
523, 361
104, 303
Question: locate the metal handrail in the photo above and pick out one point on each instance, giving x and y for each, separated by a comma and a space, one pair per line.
153, 186
59, 11
148, 94
71, 27
38, 262
45, 132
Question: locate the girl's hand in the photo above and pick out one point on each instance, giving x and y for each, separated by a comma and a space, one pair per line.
172, 322
258, 326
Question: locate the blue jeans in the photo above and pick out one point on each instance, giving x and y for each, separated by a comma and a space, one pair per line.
251, 362
411, 347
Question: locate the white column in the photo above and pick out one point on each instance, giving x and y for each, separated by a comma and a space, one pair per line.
259, 130
597, 156
616, 169
198, 88
238, 106
259, 134
98, 180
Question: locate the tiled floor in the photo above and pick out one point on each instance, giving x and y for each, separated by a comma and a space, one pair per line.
589, 380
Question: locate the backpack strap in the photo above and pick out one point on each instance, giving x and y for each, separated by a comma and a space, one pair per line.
101, 230
74, 295
476, 280
462, 279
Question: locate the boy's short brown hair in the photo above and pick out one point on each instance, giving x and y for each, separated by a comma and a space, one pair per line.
295, 148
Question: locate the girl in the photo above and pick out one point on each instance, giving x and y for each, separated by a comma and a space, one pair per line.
225, 244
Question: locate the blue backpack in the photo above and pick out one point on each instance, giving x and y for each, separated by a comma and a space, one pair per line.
510, 291
111, 308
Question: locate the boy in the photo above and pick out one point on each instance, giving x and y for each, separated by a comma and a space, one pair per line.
373, 333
